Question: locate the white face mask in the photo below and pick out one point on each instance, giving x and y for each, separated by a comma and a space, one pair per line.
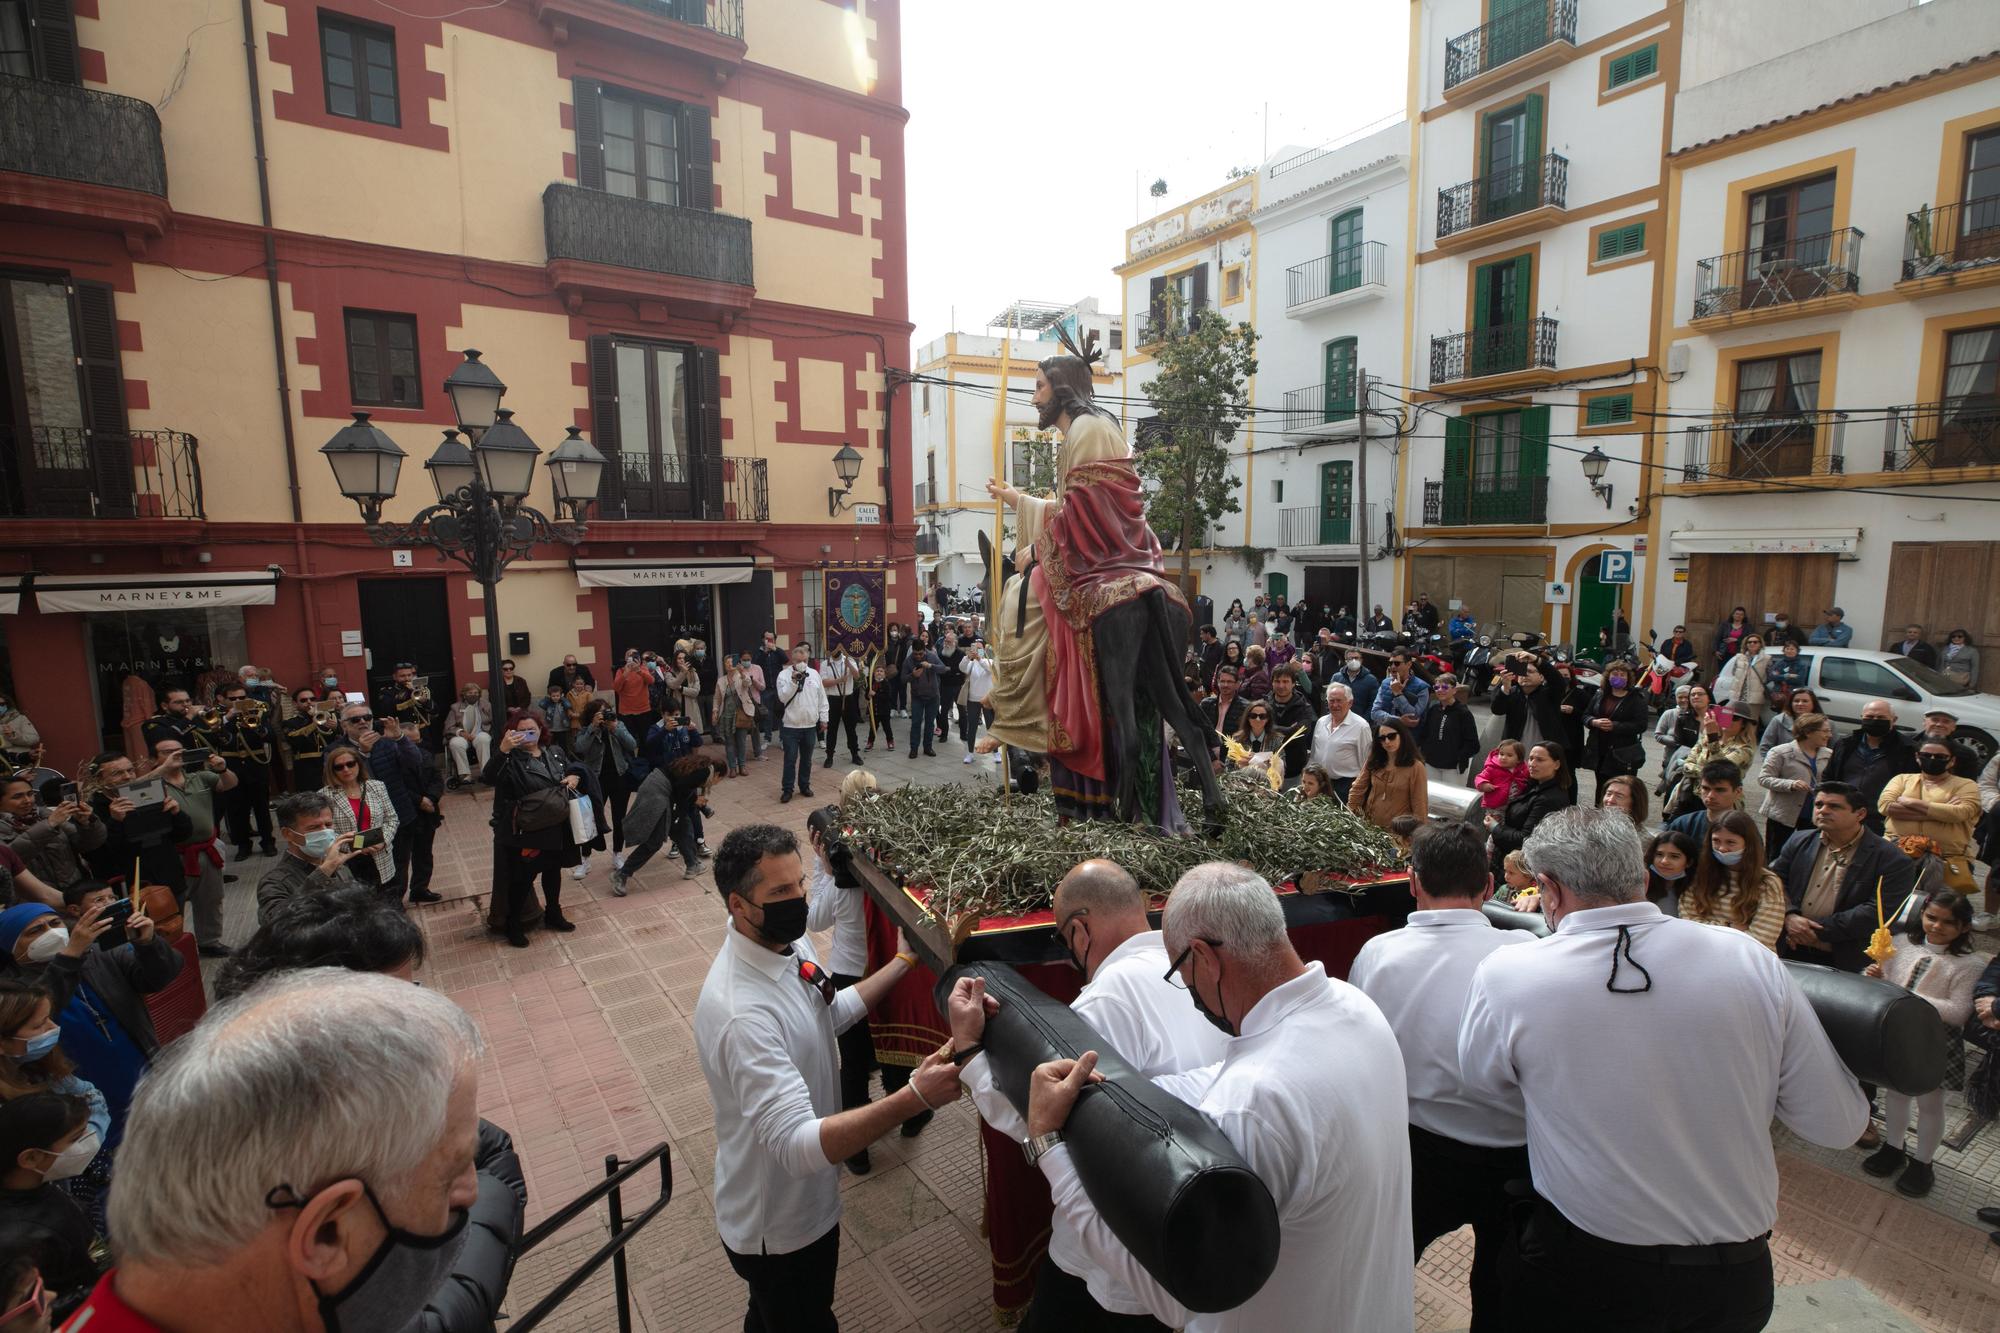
72, 1160
48, 944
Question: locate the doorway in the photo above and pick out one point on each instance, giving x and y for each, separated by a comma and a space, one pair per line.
1333, 586
1597, 605
654, 619
408, 620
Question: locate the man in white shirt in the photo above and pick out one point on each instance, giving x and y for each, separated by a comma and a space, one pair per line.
1341, 739
977, 669
1463, 1148
764, 1030
1101, 920
802, 705
1310, 1092
1651, 1054
841, 676
838, 906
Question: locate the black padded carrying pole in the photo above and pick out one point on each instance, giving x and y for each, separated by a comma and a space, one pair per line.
1165, 1180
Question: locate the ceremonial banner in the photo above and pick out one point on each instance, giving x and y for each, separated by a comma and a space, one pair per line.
854, 611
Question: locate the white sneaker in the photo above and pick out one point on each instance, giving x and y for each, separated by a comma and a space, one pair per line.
580, 869
1984, 920
618, 860
967, 759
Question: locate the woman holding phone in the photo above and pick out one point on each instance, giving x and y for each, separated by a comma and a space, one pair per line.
533, 836
361, 804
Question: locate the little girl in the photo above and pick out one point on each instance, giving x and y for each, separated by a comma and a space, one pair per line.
1504, 776
1514, 870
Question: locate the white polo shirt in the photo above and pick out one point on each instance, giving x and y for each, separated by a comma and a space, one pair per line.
1418, 977
844, 911
1311, 1094
1342, 750
1155, 1028
1649, 1113
765, 1038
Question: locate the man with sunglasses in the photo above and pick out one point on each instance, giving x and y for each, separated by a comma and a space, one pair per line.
1101, 921
1310, 1092
765, 1030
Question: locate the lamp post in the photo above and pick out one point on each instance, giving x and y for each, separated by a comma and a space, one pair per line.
481, 519
846, 466
1593, 464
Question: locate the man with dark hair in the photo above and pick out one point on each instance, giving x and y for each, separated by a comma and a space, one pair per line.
1870, 755
1721, 792
1292, 717
1403, 695
175, 718
52, 840
1464, 1147
247, 741
1223, 710
1830, 873
315, 858
1211, 655
404, 701
765, 1031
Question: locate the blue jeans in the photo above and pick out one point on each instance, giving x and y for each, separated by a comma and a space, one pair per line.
800, 742
923, 723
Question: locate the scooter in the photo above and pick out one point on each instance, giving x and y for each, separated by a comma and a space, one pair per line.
1475, 668
1661, 679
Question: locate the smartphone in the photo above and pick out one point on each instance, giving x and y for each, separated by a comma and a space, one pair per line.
520, 738
116, 911
196, 758
368, 838
70, 793
145, 792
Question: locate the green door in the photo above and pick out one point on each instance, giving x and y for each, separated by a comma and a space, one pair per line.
1337, 384
1278, 585
1500, 316
1344, 245
1515, 28
1510, 161
1336, 504
1595, 603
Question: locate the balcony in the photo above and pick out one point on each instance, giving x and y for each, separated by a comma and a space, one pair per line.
1353, 273
708, 30
1527, 349
1350, 525
603, 244
724, 17
80, 157
1957, 433
1509, 202
1809, 275
927, 542
1459, 502
1501, 48
1765, 448
691, 490
1952, 245
69, 472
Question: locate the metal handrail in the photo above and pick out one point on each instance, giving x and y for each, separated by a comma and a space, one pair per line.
1958, 432
1494, 350
1801, 269
1951, 237
1509, 37
1764, 446
616, 1173
1461, 501
80, 134
1540, 182
1363, 264
724, 17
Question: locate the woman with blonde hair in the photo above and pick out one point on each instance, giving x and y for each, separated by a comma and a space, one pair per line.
361, 804
1730, 886
1724, 735
1742, 684
856, 784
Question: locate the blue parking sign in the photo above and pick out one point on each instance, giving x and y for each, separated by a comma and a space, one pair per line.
1614, 567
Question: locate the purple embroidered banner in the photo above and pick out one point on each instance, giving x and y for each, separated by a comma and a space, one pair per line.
854, 611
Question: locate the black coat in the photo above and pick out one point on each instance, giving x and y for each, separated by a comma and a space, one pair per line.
150, 836
468, 1298
582, 674
1532, 806
1923, 652
1898, 756
1448, 736
1853, 919
1513, 706
1628, 723
1287, 718
516, 774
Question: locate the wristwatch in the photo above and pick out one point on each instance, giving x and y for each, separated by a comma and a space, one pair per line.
1034, 1149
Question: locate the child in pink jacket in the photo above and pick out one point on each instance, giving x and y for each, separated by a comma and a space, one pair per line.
1504, 776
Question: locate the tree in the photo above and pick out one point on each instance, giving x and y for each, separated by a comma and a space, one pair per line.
1199, 401
1034, 473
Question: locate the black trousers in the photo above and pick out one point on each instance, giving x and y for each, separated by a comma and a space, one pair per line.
247, 802
843, 710
791, 1293
1452, 1184
1063, 1304
857, 1054
521, 873
414, 844
1559, 1279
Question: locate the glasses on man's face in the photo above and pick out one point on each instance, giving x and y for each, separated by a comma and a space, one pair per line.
816, 976
359, 717
1174, 972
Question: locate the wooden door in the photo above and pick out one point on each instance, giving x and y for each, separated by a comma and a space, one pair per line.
1945, 586
1799, 585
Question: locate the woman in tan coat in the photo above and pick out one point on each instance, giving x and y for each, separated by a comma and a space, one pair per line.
1931, 803
1392, 783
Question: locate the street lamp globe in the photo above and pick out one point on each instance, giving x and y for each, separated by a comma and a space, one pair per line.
576, 470
506, 458
365, 464
475, 394
1594, 464
451, 466
847, 465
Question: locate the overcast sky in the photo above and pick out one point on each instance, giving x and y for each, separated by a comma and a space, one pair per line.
1031, 122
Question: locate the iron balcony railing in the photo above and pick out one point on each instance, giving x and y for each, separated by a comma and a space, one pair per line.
927, 543
1959, 432
597, 227
1802, 269
1323, 404
1464, 501
1951, 237
1347, 524
1541, 182
1766, 447
705, 490
1496, 350
1352, 266
719, 16
80, 134
1518, 32
69, 472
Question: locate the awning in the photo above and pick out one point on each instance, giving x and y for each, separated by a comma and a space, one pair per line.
1765, 541
155, 592
11, 586
661, 573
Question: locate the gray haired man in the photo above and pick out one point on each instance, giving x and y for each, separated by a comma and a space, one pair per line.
301, 1161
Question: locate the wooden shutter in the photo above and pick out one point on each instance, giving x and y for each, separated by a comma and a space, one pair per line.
698, 148
1199, 287
589, 120
53, 40
103, 384
1482, 296
604, 424
712, 494
1457, 468
1534, 442
1156, 300
1534, 133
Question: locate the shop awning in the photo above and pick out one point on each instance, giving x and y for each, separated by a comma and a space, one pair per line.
661, 573
1765, 541
11, 586
155, 592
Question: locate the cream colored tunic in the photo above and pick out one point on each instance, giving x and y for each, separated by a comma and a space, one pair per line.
1020, 696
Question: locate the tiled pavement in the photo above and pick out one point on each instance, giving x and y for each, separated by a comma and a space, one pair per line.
591, 1051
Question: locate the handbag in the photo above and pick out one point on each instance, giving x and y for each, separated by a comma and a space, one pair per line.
157, 901
744, 721
582, 822
542, 809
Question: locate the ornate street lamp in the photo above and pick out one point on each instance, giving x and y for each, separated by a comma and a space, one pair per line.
846, 466
1593, 464
475, 395
575, 471
451, 466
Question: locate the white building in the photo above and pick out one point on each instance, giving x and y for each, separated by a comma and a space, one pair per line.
953, 406
1539, 216
1835, 309
1331, 232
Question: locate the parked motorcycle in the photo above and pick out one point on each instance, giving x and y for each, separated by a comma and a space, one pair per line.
1475, 667
1660, 679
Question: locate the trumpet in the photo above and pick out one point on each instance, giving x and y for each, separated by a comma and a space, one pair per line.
422, 691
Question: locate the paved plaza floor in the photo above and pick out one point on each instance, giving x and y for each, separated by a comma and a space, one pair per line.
590, 1051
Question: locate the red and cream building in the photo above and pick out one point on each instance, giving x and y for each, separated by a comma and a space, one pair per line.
675, 224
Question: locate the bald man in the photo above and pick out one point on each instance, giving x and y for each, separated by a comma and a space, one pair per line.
1101, 920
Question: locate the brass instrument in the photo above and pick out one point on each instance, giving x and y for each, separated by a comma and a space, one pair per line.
326, 713
422, 691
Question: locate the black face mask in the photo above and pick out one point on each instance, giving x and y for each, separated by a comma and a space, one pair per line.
1082, 965
1221, 1021
784, 921
398, 1279
1934, 764
1877, 726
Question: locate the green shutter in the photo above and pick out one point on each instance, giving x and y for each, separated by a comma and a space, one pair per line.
1337, 386
1534, 127
1482, 296
1534, 442
1633, 66
1616, 242
1610, 409
1524, 280
1457, 481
